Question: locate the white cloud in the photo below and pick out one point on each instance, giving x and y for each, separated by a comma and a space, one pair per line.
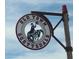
63, 1
32, 1
41, 1
38, 2
10, 31
57, 55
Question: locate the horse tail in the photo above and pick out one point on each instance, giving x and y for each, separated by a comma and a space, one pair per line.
41, 31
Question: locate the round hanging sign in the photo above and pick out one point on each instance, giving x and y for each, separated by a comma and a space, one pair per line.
33, 31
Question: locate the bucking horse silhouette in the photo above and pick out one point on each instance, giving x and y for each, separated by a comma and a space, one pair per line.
33, 34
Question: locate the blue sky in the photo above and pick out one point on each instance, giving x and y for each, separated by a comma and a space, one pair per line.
16, 9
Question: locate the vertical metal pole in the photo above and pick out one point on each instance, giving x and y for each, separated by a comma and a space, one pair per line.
67, 34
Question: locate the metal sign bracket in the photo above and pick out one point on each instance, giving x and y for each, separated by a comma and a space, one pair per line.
65, 20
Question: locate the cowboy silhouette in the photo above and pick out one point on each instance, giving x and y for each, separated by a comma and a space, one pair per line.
33, 35
32, 28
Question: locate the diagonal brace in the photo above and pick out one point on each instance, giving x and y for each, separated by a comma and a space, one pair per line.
57, 24
59, 42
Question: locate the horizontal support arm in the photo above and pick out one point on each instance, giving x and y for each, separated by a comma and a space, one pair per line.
47, 13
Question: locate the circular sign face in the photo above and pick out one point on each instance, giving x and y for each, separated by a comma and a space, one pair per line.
33, 31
